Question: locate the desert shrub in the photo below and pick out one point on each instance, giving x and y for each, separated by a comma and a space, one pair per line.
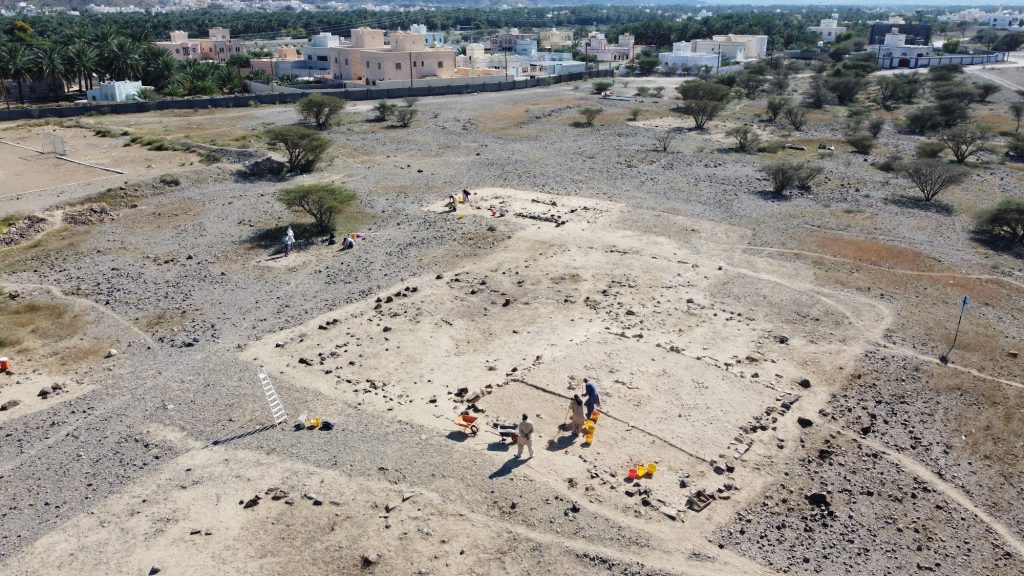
770, 146
924, 119
861, 142
383, 110
170, 180
890, 163
404, 116
986, 90
817, 93
786, 174
965, 140
929, 149
956, 91
410, 101
590, 113
1004, 221
775, 105
747, 139
320, 110
807, 174
875, 126
643, 91
932, 177
750, 83
1015, 147
888, 90
944, 72
844, 88
657, 91
321, 201
634, 113
664, 140
797, 117
600, 86
304, 147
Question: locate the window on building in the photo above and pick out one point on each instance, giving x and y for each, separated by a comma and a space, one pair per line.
346, 61
422, 64
378, 65
440, 64
335, 59
237, 49
413, 63
309, 57
221, 50
177, 50
398, 65
321, 58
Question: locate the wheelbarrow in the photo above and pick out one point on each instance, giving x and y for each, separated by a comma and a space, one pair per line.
467, 422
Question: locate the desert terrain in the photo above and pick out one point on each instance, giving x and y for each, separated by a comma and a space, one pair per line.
780, 354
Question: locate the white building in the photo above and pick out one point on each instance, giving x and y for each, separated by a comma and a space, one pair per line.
1006, 20
735, 47
552, 63
683, 57
896, 53
430, 39
828, 29
477, 59
123, 91
895, 46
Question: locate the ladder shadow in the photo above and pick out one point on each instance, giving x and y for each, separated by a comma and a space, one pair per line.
241, 435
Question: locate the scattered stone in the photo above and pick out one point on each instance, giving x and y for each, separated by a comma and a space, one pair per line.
387, 328
45, 392
195, 532
279, 495
1014, 354
804, 383
782, 339
670, 512
252, 502
818, 499
804, 422
9, 404
111, 353
305, 361
154, 570
208, 532
370, 559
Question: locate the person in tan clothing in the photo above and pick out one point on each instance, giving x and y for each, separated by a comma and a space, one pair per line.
579, 414
525, 436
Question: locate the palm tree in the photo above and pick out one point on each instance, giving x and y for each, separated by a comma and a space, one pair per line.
125, 60
83, 62
49, 61
229, 80
16, 64
103, 40
158, 67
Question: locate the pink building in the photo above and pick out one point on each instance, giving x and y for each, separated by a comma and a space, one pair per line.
218, 47
281, 64
597, 45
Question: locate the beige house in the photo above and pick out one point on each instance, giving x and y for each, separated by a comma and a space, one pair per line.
555, 39
218, 47
369, 60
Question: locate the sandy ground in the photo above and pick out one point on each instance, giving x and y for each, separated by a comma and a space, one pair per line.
775, 353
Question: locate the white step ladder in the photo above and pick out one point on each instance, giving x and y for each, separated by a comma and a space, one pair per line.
277, 411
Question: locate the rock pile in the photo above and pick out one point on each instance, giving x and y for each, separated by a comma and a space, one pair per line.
23, 229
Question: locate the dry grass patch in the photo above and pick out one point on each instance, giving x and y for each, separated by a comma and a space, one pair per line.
873, 252
22, 257
27, 323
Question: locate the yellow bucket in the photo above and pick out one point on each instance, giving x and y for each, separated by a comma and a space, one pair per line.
589, 423
641, 471
315, 422
588, 439
461, 216
651, 469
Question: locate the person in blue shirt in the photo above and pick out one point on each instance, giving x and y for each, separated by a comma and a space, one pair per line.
590, 393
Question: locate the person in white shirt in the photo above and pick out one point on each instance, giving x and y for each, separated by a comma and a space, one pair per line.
525, 433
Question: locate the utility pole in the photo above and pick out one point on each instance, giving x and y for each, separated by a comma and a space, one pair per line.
410, 73
506, 65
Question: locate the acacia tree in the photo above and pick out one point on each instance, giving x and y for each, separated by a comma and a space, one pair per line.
304, 147
889, 89
932, 177
590, 113
774, 106
986, 90
797, 117
321, 200
965, 140
319, 109
1005, 220
1017, 111
665, 140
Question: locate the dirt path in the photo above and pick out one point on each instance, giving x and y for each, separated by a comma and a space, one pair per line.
942, 486
886, 268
